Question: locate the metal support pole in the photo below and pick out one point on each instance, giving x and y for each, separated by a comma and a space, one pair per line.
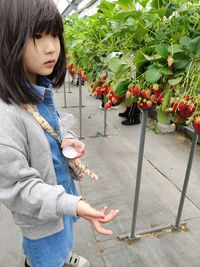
187, 176
80, 104
69, 85
105, 122
139, 171
65, 102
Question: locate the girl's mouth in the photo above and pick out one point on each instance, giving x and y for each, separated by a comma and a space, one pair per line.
50, 63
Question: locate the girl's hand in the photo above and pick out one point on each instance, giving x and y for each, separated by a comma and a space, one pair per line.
96, 217
78, 145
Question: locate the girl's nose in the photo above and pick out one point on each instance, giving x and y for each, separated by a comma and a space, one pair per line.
50, 46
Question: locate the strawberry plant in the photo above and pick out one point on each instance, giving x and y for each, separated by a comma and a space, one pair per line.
146, 55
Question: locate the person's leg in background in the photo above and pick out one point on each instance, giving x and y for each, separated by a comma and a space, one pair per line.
125, 113
133, 115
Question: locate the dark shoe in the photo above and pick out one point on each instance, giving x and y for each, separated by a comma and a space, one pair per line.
123, 114
127, 122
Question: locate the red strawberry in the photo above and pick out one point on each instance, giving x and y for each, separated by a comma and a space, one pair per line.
83, 77
157, 89
175, 106
187, 97
135, 90
106, 90
196, 123
98, 91
145, 94
182, 106
161, 98
72, 72
153, 98
189, 110
170, 67
104, 77
108, 105
114, 100
100, 84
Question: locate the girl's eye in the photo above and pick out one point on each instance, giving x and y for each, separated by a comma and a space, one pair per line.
55, 35
38, 36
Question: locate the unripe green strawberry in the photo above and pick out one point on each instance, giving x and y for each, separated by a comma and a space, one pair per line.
128, 94
149, 104
170, 60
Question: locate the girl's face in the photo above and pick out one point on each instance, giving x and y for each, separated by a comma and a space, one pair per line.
41, 55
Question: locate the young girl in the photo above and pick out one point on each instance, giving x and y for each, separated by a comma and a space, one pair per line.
34, 178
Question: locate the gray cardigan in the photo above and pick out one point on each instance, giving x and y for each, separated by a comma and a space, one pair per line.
27, 178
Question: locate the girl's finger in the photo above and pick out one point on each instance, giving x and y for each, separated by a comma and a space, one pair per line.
104, 210
100, 229
112, 214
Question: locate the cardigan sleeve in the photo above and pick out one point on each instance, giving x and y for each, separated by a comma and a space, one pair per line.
22, 189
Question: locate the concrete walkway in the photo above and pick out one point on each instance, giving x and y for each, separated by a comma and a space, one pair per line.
114, 159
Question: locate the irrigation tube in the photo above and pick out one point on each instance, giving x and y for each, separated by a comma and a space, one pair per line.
187, 176
80, 105
139, 172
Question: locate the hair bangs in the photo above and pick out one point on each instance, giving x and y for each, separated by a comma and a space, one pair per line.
47, 19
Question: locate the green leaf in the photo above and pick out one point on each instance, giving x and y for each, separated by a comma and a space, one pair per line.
121, 87
162, 117
174, 49
198, 90
170, 9
139, 59
157, 3
121, 73
125, 4
161, 49
152, 74
166, 100
106, 7
115, 64
143, 2
185, 41
195, 46
175, 81
129, 101
166, 71
181, 60
140, 32
150, 58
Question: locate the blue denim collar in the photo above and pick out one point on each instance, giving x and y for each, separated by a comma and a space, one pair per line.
44, 85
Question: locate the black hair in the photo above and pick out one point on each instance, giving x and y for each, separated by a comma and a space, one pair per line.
20, 20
